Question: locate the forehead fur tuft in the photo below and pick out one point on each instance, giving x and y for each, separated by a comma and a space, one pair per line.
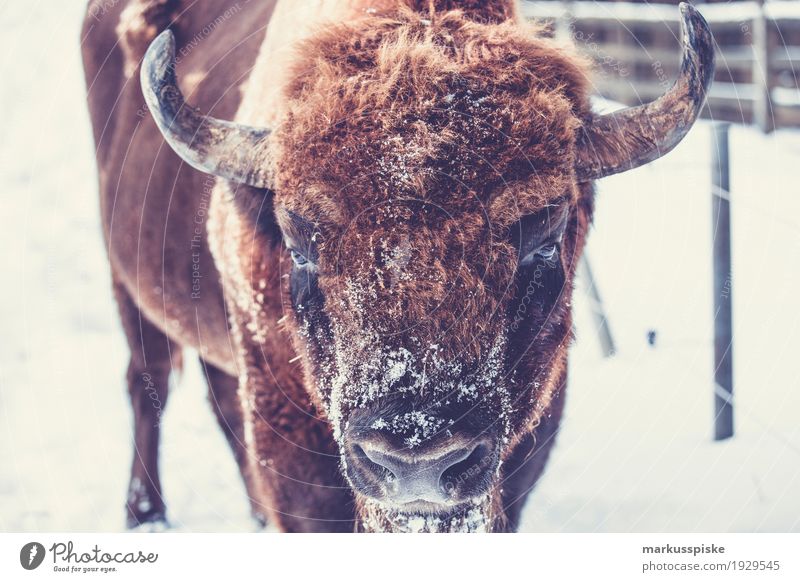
479, 10
462, 114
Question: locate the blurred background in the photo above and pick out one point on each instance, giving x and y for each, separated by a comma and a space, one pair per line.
634, 44
637, 452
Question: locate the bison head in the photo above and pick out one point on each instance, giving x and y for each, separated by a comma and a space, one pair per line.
432, 182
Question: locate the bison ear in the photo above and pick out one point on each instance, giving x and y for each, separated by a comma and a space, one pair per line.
629, 138
222, 148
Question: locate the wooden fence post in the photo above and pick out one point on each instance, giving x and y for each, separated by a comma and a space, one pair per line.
563, 31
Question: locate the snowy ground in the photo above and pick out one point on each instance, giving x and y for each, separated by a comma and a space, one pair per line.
635, 454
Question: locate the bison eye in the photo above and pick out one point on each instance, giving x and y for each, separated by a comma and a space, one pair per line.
299, 259
546, 253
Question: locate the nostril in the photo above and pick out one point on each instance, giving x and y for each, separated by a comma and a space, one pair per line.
379, 471
464, 475
449, 472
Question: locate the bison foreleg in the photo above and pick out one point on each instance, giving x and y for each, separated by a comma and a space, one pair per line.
153, 356
224, 398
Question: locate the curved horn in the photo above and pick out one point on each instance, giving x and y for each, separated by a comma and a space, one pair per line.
217, 147
631, 137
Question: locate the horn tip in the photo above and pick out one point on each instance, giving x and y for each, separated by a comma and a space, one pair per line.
698, 38
167, 37
158, 59
689, 11
691, 19
162, 48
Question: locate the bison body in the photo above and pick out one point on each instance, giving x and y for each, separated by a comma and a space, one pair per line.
374, 259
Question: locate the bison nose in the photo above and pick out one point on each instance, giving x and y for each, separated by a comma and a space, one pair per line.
448, 473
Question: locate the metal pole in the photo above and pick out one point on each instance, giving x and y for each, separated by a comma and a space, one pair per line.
763, 115
598, 311
723, 284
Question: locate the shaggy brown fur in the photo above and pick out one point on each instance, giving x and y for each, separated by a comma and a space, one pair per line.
475, 122
434, 135
476, 10
414, 141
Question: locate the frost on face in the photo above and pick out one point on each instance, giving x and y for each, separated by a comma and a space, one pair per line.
415, 426
363, 370
415, 381
397, 259
475, 518
402, 160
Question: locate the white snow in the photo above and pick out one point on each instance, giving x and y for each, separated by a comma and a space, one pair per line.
635, 453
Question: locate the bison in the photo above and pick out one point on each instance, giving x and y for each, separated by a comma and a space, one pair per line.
369, 236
